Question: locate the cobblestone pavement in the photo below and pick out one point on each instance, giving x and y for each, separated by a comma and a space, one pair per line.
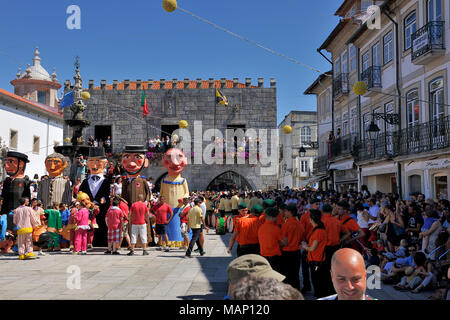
158, 276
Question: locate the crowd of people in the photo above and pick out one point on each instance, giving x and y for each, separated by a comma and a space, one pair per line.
294, 230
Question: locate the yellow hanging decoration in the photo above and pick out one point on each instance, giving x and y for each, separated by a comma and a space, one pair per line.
183, 124
170, 5
360, 88
67, 139
287, 129
240, 149
85, 95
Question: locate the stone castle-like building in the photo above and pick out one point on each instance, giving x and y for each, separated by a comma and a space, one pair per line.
115, 110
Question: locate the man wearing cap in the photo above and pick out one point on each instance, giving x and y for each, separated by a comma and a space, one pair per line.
269, 237
245, 231
269, 203
97, 187
55, 189
14, 186
250, 264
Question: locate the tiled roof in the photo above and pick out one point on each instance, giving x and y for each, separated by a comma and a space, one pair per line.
34, 104
192, 84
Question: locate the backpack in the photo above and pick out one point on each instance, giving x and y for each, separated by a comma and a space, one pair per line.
221, 225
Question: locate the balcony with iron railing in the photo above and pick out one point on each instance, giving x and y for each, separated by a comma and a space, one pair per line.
372, 77
320, 165
424, 137
342, 146
428, 43
340, 86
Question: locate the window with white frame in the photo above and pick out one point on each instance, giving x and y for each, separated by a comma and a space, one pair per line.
304, 166
337, 67
434, 9
353, 120
345, 123
379, 121
437, 99
352, 58
365, 61
412, 107
387, 47
366, 121
36, 144
376, 60
305, 135
410, 28
344, 62
389, 109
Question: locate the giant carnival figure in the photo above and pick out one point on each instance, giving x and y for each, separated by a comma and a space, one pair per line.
15, 186
174, 187
55, 189
134, 162
97, 187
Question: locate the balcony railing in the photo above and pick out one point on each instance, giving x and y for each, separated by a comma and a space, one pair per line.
372, 76
429, 37
342, 146
424, 137
340, 85
320, 164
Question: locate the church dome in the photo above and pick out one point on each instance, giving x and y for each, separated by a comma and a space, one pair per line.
36, 71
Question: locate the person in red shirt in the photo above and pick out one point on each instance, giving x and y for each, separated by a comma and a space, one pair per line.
161, 210
139, 221
354, 232
314, 204
316, 253
123, 205
114, 220
184, 221
269, 237
293, 234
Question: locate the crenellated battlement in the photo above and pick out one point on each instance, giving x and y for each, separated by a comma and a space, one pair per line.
186, 83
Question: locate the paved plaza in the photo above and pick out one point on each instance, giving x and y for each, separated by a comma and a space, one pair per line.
158, 276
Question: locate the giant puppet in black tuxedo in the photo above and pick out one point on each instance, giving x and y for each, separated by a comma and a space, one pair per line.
97, 186
14, 186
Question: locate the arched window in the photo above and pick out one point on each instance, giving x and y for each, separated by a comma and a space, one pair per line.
436, 99
415, 183
410, 28
412, 107
305, 135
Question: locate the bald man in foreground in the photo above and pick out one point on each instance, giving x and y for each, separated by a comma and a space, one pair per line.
349, 276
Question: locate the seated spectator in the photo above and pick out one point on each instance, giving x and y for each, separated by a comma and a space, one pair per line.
401, 251
260, 288
413, 275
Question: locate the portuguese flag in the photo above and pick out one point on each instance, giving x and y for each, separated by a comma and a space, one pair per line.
144, 105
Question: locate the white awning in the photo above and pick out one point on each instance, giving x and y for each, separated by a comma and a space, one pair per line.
379, 170
345, 165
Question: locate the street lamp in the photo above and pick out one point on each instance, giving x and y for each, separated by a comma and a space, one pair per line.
373, 130
302, 151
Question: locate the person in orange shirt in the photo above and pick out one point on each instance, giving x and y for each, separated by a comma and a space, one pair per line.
293, 234
314, 204
334, 229
316, 253
349, 239
269, 236
245, 231
269, 203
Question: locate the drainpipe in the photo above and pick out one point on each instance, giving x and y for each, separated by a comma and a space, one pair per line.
397, 70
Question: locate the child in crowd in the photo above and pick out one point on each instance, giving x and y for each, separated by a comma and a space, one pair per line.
82, 220
72, 223
65, 215
54, 227
114, 220
427, 222
401, 252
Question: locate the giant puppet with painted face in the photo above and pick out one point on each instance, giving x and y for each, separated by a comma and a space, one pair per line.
97, 187
55, 189
134, 162
174, 187
14, 186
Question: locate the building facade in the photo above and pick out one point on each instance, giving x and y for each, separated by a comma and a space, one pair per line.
115, 110
404, 61
30, 120
296, 170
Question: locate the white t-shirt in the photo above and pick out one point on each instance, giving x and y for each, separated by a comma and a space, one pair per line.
363, 224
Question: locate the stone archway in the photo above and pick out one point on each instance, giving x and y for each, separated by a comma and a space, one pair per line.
229, 180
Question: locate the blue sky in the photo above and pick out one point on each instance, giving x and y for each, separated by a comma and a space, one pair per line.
137, 39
